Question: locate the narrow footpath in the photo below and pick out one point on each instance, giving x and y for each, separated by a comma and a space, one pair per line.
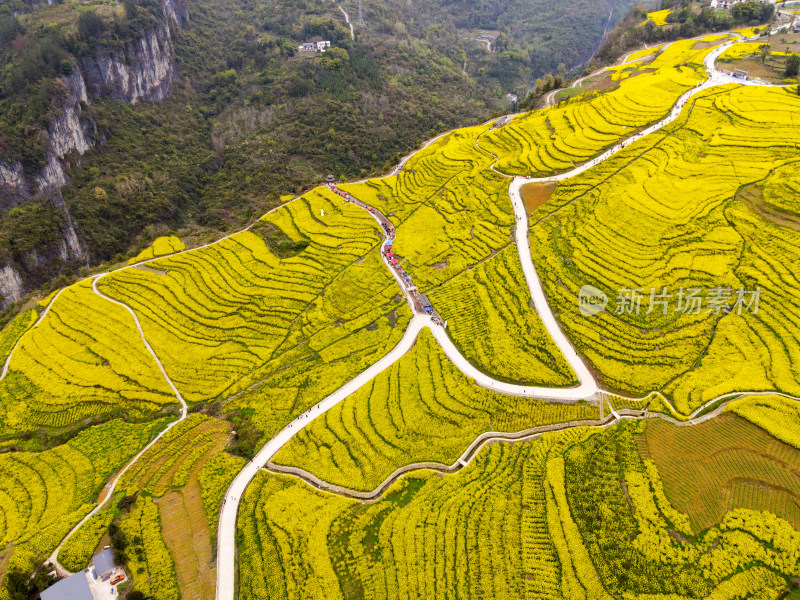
349, 24
111, 486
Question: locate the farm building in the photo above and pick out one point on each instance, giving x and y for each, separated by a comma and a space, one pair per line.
103, 563
74, 587
315, 46
94, 583
723, 4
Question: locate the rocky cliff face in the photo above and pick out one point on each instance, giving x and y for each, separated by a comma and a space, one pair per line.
144, 69
10, 284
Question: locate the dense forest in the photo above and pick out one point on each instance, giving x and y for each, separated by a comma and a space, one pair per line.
250, 119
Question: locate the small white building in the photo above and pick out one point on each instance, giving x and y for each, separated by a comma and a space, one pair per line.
512, 98
724, 4
320, 46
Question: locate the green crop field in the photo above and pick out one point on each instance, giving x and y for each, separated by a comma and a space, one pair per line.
576, 514
724, 464
675, 191
86, 358
421, 410
43, 495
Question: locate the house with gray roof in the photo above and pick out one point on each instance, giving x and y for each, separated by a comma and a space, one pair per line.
104, 563
74, 587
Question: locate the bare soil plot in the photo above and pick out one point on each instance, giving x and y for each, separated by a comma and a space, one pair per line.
754, 197
535, 195
723, 464
185, 531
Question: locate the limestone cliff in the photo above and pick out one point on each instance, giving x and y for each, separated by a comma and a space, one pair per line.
143, 69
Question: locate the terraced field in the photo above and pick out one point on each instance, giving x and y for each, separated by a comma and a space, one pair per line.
554, 140
421, 410
660, 213
85, 359
79, 549
450, 210
782, 189
262, 325
523, 520
43, 495
177, 558
777, 415
11, 334
473, 534
149, 560
160, 247
234, 315
168, 529
170, 463
492, 323
214, 478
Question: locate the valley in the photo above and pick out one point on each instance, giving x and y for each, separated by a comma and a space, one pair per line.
388, 387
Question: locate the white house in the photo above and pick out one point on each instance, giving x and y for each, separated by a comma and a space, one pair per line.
315, 46
724, 4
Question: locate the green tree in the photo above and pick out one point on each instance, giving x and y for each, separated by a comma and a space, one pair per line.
747, 11
334, 59
764, 49
792, 65
90, 25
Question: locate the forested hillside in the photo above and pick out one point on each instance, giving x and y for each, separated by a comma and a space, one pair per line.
123, 122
